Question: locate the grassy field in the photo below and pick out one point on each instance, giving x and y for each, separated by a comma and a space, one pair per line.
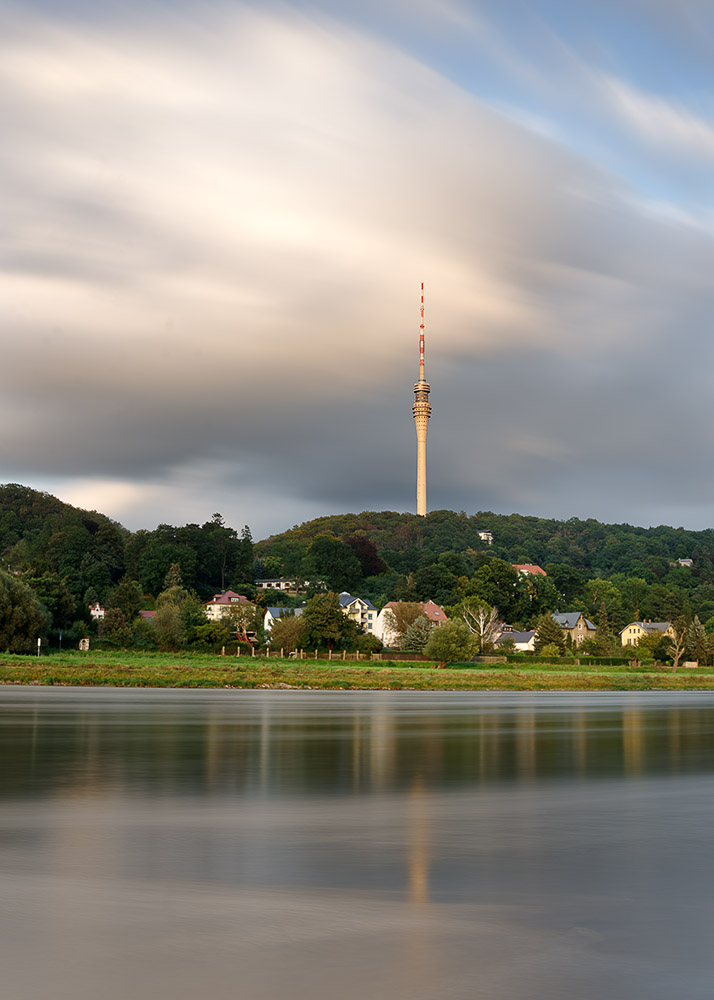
210, 671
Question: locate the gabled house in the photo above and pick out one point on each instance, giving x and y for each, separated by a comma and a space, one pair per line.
528, 569
577, 626
96, 611
274, 614
360, 610
222, 604
631, 633
523, 642
431, 611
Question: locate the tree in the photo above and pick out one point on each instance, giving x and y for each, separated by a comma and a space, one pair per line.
549, 633
325, 623
603, 640
288, 632
331, 560
115, 628
398, 618
496, 583
679, 640
177, 611
451, 641
481, 620
416, 635
22, 618
54, 593
435, 582
209, 636
366, 552
126, 596
698, 646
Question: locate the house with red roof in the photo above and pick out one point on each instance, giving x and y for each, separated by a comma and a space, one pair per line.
528, 569
431, 611
222, 604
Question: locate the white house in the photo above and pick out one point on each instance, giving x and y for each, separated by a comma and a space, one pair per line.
382, 629
486, 536
221, 604
273, 614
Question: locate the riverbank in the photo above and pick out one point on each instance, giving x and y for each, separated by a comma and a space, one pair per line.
165, 670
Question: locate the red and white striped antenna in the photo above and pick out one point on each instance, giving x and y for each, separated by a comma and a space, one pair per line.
421, 336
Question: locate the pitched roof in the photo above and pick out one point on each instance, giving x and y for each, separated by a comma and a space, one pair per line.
228, 597
514, 637
569, 619
650, 627
346, 599
429, 610
285, 612
529, 569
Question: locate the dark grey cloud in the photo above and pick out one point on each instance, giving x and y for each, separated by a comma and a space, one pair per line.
209, 275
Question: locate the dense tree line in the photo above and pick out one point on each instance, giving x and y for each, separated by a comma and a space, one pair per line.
70, 558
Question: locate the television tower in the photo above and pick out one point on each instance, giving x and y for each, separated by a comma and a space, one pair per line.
422, 412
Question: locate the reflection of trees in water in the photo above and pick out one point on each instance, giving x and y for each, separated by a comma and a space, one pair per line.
276, 748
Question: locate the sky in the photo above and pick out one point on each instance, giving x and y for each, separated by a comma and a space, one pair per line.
216, 218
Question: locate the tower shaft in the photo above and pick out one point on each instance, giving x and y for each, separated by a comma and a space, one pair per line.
422, 412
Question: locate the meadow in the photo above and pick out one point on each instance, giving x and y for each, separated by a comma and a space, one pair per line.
192, 670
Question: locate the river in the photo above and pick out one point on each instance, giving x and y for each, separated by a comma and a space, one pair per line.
261, 845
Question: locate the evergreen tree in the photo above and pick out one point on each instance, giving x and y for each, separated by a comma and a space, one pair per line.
548, 633
603, 638
416, 635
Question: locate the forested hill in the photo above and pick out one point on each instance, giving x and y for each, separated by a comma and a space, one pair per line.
406, 542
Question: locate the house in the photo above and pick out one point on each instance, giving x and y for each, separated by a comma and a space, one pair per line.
431, 611
273, 614
147, 616
222, 604
486, 536
528, 569
96, 611
686, 562
278, 583
361, 611
523, 642
631, 633
576, 625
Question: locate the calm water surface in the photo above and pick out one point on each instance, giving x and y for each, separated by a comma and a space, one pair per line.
269, 845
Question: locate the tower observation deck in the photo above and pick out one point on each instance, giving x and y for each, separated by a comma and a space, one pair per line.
422, 412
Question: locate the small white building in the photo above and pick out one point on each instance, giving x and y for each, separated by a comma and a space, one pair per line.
486, 536
96, 611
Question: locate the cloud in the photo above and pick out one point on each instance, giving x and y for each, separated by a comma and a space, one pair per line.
216, 226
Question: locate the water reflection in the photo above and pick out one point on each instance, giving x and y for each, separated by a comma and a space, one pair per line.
267, 844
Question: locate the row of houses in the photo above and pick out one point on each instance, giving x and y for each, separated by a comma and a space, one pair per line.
364, 614
580, 628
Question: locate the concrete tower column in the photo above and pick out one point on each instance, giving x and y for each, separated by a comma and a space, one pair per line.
422, 412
